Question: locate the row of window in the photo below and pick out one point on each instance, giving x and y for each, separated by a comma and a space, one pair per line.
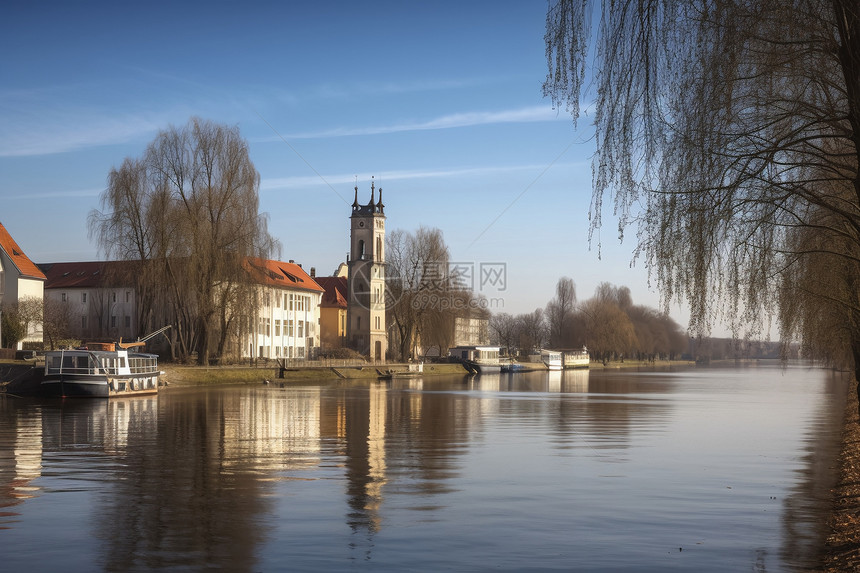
291, 301
302, 328
284, 352
65, 297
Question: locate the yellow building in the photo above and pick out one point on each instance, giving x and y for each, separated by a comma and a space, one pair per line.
332, 312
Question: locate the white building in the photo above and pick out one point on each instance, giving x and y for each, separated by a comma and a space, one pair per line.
288, 318
20, 279
98, 304
280, 320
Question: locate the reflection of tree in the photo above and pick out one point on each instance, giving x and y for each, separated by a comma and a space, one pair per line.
176, 504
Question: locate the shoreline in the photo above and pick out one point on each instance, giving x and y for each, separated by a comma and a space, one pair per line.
841, 551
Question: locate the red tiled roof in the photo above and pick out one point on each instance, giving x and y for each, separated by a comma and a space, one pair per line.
335, 291
280, 274
73, 275
25, 266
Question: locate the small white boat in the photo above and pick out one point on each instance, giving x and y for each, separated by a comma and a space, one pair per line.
552, 359
100, 370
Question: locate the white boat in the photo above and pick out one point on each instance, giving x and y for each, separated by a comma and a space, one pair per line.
100, 370
552, 359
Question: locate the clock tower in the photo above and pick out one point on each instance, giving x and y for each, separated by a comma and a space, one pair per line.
365, 326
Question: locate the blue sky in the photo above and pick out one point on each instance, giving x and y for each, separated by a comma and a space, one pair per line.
440, 101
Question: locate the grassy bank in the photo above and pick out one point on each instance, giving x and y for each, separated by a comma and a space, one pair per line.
177, 375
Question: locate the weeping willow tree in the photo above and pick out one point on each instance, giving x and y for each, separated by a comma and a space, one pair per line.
727, 136
187, 213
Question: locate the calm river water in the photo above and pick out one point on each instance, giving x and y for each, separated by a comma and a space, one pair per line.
690, 470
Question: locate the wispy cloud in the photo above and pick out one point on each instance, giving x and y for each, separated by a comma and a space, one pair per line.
285, 183
60, 119
451, 121
55, 195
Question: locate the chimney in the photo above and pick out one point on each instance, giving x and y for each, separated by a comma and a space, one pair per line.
313, 272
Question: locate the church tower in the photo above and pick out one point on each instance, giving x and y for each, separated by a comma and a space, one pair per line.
365, 312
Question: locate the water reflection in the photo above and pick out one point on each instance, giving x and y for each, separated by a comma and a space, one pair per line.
249, 478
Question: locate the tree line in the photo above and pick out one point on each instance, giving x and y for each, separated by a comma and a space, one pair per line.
608, 324
728, 133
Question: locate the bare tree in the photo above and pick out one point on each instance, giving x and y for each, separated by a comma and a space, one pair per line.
559, 312
188, 211
504, 329
736, 127
417, 286
532, 330
56, 318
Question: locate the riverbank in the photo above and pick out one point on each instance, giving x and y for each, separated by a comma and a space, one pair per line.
179, 376
842, 549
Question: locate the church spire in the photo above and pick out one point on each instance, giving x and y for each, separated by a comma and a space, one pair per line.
355, 203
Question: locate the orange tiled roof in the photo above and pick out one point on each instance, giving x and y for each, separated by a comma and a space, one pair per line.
25, 266
280, 274
335, 291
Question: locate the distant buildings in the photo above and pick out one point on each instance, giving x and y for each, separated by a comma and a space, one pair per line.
286, 314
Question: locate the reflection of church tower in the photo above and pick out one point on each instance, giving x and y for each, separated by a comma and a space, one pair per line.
365, 322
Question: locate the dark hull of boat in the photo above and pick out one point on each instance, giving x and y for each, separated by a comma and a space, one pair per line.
66, 386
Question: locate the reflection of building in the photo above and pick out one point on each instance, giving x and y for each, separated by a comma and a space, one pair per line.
20, 280
267, 433
20, 461
366, 280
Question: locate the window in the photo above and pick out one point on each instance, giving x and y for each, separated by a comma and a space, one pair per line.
358, 323
290, 328
285, 301
128, 322
377, 323
112, 297
63, 297
83, 297
127, 296
277, 326
291, 302
268, 327
278, 300
301, 328
113, 322
84, 322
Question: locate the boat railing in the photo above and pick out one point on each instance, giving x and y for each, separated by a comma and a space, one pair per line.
142, 364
